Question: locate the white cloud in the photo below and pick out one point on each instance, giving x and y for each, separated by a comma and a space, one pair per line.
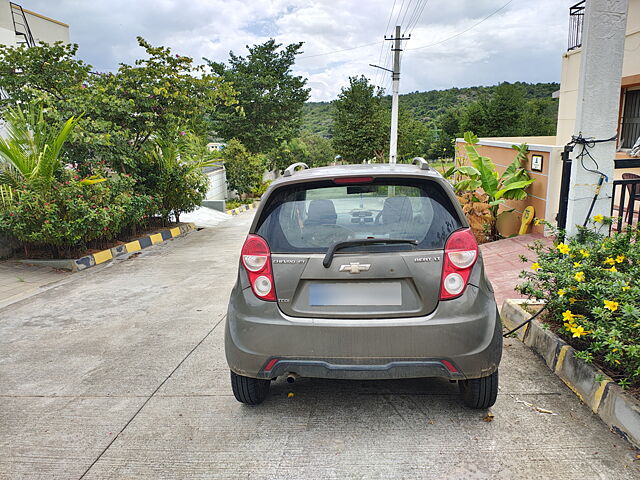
524, 41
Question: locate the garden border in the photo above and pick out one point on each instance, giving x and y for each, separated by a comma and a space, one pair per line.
619, 410
243, 208
88, 261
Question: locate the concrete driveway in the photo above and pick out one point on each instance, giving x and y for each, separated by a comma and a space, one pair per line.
120, 373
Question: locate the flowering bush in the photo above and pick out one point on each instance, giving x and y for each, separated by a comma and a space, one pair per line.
591, 284
71, 213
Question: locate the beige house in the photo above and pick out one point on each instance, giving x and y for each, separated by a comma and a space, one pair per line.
545, 152
21, 26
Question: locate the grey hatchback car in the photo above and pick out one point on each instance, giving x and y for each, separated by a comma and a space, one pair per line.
362, 272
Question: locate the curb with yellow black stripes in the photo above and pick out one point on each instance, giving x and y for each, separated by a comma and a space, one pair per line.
144, 242
243, 208
619, 410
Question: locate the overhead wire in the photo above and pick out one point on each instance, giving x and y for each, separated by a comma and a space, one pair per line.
418, 17
464, 31
379, 75
405, 13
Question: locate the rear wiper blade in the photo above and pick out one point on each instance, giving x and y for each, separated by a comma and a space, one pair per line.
363, 241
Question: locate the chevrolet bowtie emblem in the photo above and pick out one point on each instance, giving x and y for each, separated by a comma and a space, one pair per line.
355, 267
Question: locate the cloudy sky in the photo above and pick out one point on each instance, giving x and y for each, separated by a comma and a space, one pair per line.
453, 43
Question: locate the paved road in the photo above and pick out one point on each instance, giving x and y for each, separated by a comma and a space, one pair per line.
121, 374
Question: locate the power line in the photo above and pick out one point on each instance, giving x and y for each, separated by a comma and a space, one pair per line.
464, 31
337, 51
405, 13
379, 73
418, 17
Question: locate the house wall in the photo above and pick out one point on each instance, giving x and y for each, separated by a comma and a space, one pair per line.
541, 194
570, 75
217, 185
43, 28
7, 37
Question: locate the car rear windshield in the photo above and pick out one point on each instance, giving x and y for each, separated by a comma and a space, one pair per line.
311, 217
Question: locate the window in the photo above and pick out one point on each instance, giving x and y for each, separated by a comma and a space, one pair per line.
310, 217
631, 118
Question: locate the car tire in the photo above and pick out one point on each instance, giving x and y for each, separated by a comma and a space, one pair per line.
480, 393
250, 391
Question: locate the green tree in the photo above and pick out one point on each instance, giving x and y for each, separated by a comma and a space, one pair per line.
449, 129
175, 173
414, 136
288, 152
499, 115
539, 117
122, 111
244, 170
271, 98
359, 125
320, 151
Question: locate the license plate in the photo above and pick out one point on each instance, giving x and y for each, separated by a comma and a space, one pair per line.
355, 294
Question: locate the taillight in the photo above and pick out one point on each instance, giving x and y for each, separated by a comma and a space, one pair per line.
460, 255
256, 260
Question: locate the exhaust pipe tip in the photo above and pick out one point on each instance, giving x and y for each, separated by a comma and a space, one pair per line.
291, 377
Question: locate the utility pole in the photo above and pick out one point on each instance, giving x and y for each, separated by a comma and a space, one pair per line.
395, 76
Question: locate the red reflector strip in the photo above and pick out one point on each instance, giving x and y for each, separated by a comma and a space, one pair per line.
270, 365
449, 366
350, 180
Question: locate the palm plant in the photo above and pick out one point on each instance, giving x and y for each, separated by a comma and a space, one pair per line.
482, 174
31, 150
178, 164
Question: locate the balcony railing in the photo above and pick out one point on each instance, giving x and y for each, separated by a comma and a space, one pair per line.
576, 20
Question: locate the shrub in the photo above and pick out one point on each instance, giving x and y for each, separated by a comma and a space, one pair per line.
244, 170
260, 189
173, 173
482, 176
70, 215
591, 286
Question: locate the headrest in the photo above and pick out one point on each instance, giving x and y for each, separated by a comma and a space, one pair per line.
397, 209
321, 212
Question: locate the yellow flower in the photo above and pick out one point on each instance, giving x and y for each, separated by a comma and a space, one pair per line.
584, 253
572, 300
620, 259
598, 218
578, 331
626, 287
609, 261
611, 305
612, 269
535, 267
563, 248
579, 276
561, 292
577, 264
568, 316
569, 325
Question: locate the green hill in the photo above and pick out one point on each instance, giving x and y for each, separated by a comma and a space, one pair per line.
427, 106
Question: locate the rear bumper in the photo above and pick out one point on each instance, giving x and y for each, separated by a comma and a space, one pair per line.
395, 369
262, 342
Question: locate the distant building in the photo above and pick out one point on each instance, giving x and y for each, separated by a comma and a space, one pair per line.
216, 146
19, 26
